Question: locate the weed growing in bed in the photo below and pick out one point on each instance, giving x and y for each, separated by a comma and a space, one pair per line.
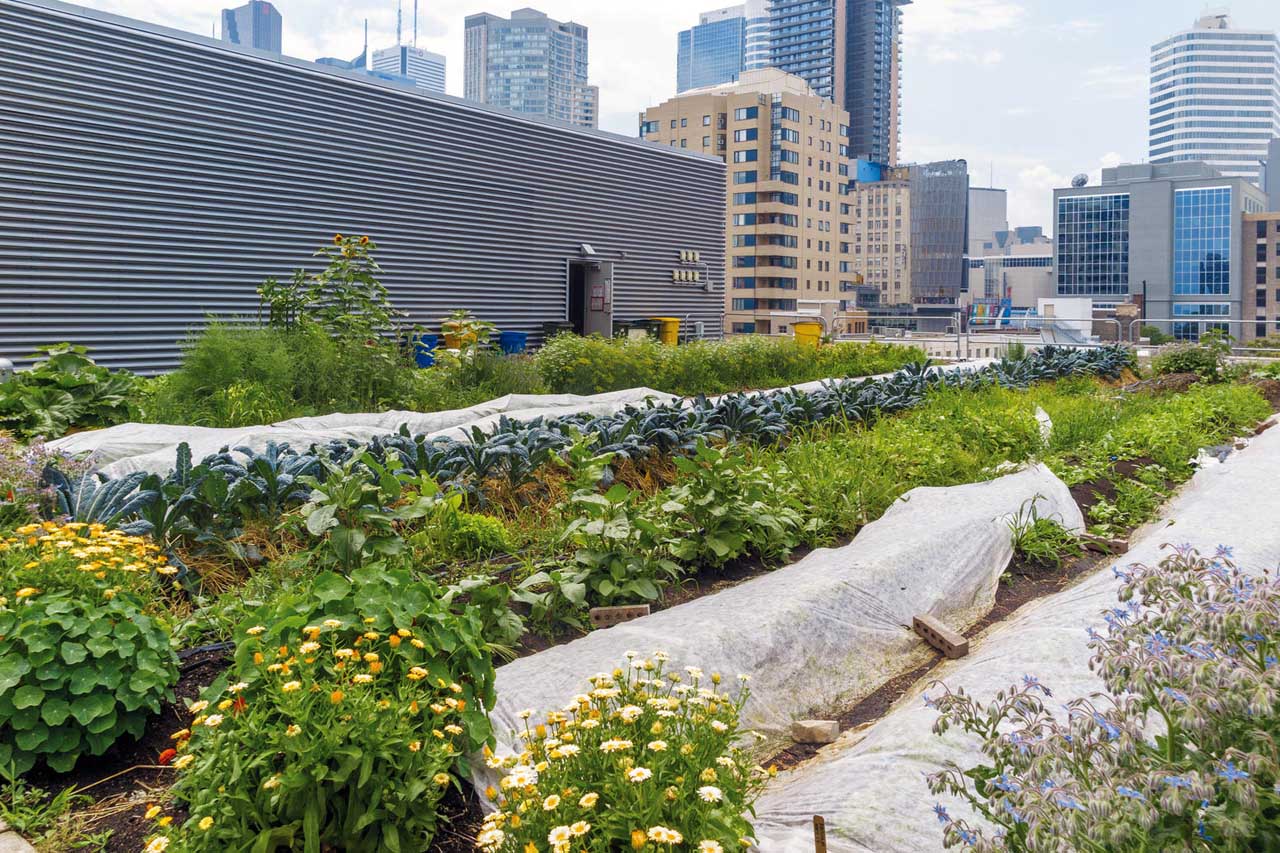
1179, 753
1041, 542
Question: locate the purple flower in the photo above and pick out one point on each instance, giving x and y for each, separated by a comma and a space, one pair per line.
1225, 552
941, 812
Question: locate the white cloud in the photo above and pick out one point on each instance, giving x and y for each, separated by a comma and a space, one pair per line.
951, 19
992, 57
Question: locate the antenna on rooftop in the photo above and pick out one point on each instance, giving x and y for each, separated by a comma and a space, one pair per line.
415, 23
399, 9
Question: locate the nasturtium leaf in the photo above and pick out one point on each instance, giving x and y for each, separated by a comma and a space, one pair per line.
27, 696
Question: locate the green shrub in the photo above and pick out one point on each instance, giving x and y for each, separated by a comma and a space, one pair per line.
476, 376
1188, 358
1155, 335
82, 661
339, 724
66, 389
650, 759
575, 365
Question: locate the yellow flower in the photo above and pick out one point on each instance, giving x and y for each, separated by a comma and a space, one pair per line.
638, 839
333, 623
26, 592
159, 844
291, 686
336, 696
663, 835
441, 779
205, 822
639, 774
165, 821
309, 647
183, 760
417, 644
416, 673
580, 828
531, 848
657, 746
708, 775
560, 835
152, 812
362, 678
491, 793
415, 746
213, 721
710, 847
453, 729
550, 803
224, 705
255, 630
273, 782
293, 731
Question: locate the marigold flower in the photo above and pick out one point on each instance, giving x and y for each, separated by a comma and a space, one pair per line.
213, 721
417, 644
362, 678
166, 756
257, 658
290, 686
26, 592
293, 730
589, 800
639, 774
394, 640
224, 705
415, 746
152, 812
256, 630
309, 647
273, 782
491, 793
709, 846
638, 839
183, 761
205, 822
710, 794
375, 667
333, 623
663, 835
159, 844
336, 696
560, 835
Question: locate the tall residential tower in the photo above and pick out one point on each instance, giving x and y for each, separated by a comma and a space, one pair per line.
1215, 97
724, 43
530, 64
255, 24
848, 51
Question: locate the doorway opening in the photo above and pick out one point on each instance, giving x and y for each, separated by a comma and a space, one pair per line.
590, 297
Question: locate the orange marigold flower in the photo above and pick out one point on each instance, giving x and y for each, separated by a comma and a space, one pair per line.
167, 756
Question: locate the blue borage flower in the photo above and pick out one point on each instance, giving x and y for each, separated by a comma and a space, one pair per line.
1176, 695
1177, 781
1030, 682
1068, 802
941, 811
1226, 552
1107, 726
1130, 793
1231, 773
1018, 817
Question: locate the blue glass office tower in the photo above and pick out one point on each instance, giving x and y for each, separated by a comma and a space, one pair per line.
724, 43
848, 51
255, 24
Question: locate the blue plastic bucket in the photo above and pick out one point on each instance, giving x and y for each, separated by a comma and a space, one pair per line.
424, 350
513, 343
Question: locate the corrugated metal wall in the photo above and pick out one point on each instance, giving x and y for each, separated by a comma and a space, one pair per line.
149, 178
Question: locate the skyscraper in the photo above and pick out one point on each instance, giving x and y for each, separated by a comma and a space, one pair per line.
848, 51
424, 68
255, 24
724, 43
1215, 96
530, 64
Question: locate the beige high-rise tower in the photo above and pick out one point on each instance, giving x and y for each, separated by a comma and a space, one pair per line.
786, 151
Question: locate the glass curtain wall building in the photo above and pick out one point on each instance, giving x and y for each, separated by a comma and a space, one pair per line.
255, 24
939, 232
724, 43
1093, 245
849, 51
424, 68
1215, 97
530, 64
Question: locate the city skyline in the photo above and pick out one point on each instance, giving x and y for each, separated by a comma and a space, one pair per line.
1036, 92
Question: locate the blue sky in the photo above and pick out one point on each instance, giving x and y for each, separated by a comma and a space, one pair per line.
1041, 89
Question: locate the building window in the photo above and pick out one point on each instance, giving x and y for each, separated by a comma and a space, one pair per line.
746, 113
1260, 297
1262, 229
748, 156
648, 127
684, 143
1262, 252
1093, 245
706, 142
747, 176
706, 121
1191, 331
789, 135
749, 134
1202, 241
673, 124
684, 122
744, 198
1262, 275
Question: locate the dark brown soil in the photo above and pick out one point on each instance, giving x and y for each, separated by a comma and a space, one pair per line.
1270, 389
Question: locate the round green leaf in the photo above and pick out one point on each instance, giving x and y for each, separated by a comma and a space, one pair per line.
27, 696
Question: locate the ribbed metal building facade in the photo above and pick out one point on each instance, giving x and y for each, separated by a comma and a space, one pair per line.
151, 178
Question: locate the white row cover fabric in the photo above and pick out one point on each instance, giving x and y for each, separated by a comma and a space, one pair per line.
827, 630
872, 790
126, 448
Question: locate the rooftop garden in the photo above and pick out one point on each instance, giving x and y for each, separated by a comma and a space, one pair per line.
294, 648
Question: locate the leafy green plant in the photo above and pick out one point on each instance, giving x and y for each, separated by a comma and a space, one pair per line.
340, 723
1041, 542
65, 389
45, 818
1154, 334
721, 508
646, 757
25, 492
449, 533
619, 552
465, 332
84, 660
1206, 359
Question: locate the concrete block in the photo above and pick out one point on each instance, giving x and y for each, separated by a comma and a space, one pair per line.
815, 731
606, 617
11, 842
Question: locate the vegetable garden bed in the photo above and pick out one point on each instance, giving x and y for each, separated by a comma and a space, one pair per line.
552, 516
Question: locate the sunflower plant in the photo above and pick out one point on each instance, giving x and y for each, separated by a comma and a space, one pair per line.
83, 657
646, 759
339, 726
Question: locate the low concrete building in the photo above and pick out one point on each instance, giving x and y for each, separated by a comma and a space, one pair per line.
1261, 251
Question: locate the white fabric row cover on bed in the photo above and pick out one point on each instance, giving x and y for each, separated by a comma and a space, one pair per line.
827, 630
126, 448
873, 793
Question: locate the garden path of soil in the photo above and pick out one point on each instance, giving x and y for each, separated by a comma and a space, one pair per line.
122, 780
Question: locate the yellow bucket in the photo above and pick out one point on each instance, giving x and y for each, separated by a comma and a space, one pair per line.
668, 329
808, 334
